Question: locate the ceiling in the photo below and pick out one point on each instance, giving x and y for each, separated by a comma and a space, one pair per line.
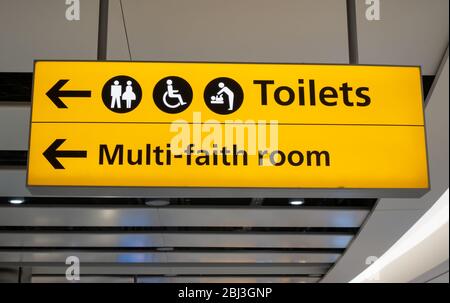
209, 236
227, 239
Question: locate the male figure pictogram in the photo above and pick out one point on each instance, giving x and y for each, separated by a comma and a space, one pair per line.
116, 94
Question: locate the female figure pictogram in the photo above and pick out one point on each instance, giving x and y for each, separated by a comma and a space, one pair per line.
129, 95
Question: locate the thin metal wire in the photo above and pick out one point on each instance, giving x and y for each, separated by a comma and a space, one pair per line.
125, 27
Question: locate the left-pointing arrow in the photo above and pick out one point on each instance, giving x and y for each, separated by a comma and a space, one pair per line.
52, 154
55, 93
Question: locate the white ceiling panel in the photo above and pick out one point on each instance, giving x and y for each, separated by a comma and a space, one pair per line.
182, 216
27, 258
185, 239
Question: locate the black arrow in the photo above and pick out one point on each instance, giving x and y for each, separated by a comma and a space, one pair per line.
51, 154
55, 93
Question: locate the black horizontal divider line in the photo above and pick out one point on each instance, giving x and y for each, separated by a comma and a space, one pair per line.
235, 123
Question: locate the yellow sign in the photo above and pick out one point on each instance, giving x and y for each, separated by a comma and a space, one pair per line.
329, 126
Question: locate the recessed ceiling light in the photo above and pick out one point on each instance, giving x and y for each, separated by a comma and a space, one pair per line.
16, 201
157, 202
297, 202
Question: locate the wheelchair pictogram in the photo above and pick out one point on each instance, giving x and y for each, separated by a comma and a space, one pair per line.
172, 94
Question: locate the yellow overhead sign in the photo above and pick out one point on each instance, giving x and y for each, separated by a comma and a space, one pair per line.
137, 155
331, 94
166, 124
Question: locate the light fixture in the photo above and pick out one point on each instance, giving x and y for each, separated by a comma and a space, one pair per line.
16, 201
296, 202
157, 202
